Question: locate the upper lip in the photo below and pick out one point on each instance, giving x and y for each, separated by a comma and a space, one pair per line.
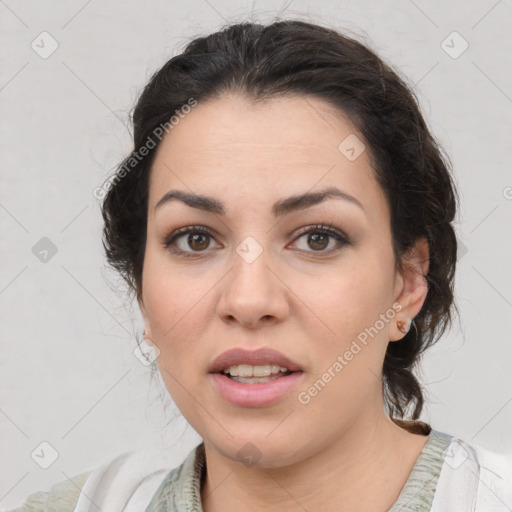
261, 356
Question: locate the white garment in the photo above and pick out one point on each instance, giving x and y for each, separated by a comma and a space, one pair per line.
125, 484
472, 479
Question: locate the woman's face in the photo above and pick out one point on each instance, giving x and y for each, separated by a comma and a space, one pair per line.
259, 280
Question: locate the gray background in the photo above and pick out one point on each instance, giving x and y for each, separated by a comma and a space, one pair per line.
68, 374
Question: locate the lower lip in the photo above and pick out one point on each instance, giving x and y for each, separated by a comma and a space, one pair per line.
255, 395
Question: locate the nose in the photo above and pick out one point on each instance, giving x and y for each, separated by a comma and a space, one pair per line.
253, 294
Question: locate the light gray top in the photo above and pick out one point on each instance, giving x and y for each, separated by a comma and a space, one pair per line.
180, 489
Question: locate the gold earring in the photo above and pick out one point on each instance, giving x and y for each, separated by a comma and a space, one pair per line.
401, 327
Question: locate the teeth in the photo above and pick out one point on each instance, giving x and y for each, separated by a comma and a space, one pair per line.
247, 370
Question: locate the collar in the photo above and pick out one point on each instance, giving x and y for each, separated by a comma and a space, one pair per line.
181, 488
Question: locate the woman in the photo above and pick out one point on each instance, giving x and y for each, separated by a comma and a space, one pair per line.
284, 221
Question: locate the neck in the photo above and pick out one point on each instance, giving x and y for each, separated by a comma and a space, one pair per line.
365, 469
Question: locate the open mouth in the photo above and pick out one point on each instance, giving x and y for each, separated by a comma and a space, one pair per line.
255, 390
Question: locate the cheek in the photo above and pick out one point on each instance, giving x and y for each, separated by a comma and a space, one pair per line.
348, 309
175, 311
350, 299
178, 301
171, 295
349, 358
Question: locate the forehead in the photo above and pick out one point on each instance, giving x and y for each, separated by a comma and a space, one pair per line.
281, 146
301, 127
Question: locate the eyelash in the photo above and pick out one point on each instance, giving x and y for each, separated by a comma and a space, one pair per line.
318, 228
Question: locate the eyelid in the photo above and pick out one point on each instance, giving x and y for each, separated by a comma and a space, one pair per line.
328, 228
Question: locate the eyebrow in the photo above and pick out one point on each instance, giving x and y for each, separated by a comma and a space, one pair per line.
279, 208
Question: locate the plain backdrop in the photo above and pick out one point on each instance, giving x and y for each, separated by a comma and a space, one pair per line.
68, 373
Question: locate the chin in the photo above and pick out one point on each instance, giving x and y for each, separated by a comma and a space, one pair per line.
259, 450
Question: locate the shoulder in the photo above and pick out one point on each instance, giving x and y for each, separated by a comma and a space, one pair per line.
62, 497
126, 482
495, 473
482, 477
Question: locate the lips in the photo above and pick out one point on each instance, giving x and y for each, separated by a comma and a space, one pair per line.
261, 356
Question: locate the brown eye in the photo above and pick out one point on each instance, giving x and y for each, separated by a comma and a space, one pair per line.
196, 241
318, 238
318, 241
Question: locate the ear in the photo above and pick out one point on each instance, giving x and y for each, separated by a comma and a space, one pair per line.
411, 286
147, 328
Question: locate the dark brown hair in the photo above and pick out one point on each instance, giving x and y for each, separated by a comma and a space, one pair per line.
297, 57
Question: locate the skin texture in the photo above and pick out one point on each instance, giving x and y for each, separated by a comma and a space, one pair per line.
291, 298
